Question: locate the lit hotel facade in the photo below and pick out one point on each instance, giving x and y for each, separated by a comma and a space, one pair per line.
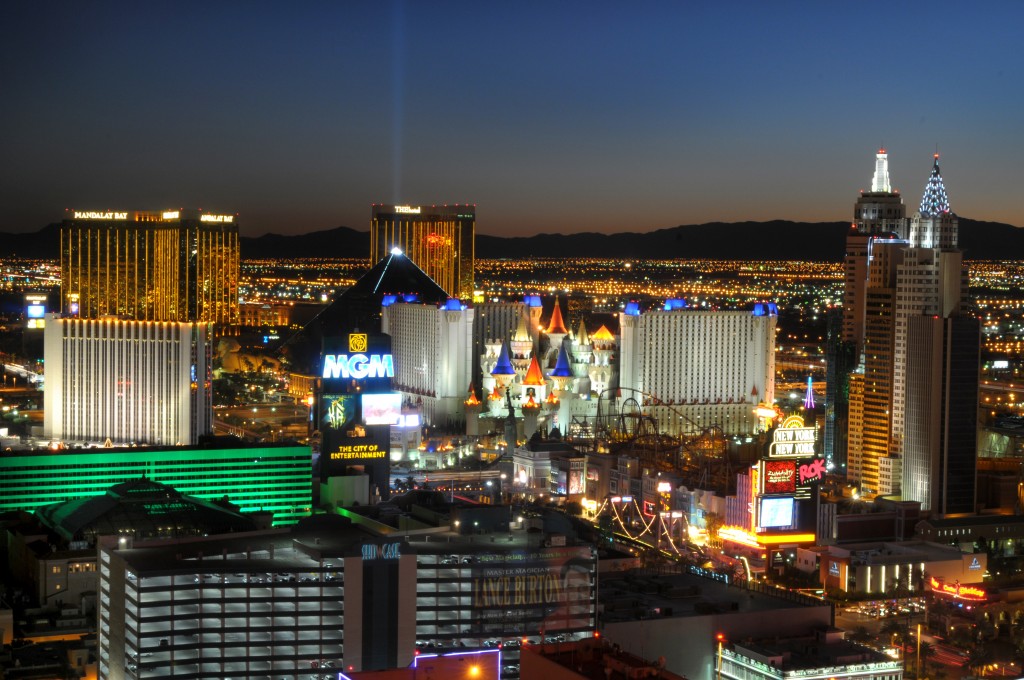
171, 265
437, 239
275, 478
697, 368
126, 381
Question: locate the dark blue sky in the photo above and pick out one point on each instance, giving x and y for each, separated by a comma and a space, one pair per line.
550, 116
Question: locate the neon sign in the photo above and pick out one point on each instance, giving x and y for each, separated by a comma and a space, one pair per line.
89, 215
408, 209
358, 366
813, 471
171, 215
387, 551
793, 440
358, 452
962, 592
216, 218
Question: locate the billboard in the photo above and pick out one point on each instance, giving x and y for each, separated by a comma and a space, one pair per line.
552, 589
776, 512
812, 471
337, 411
792, 439
382, 409
779, 476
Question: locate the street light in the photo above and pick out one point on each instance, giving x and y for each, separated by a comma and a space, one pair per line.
718, 673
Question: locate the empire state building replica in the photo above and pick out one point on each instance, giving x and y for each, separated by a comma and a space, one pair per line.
913, 395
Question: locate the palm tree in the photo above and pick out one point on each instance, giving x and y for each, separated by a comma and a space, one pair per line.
898, 635
925, 651
978, 657
860, 634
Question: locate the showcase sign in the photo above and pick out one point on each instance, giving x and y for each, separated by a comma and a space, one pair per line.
382, 551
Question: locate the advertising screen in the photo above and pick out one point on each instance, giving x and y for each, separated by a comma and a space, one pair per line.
779, 476
776, 512
35, 311
382, 409
553, 589
337, 410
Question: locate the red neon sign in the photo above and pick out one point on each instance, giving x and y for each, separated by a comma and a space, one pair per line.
962, 592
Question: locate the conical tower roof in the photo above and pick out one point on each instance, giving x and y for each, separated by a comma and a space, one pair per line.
534, 376
603, 334
522, 333
556, 325
935, 202
504, 364
472, 400
582, 337
562, 365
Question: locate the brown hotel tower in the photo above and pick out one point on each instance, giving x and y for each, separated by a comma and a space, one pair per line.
173, 265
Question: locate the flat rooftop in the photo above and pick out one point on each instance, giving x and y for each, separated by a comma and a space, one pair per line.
641, 595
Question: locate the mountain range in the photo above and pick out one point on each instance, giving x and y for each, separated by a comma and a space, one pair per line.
774, 240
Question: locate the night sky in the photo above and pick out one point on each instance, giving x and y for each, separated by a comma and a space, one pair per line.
550, 116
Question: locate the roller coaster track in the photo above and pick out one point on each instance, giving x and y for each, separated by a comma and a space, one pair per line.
698, 454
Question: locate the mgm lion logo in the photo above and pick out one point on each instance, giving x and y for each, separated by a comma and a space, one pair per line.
358, 342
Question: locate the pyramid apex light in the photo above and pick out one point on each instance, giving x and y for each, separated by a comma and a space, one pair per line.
396, 251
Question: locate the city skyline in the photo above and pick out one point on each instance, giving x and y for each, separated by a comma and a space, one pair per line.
550, 119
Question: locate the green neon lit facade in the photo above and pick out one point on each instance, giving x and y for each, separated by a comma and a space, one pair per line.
277, 479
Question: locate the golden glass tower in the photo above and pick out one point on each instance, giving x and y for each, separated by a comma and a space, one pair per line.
437, 239
173, 265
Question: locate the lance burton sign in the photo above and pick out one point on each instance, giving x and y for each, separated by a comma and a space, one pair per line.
552, 587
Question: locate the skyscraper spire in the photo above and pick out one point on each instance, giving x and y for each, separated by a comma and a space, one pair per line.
934, 202
880, 182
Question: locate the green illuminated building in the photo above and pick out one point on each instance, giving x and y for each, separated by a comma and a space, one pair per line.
273, 478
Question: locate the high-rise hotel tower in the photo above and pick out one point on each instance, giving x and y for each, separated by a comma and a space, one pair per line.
913, 426
172, 265
878, 214
438, 239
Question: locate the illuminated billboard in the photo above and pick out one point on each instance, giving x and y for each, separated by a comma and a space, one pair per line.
367, 358
337, 410
776, 512
812, 471
792, 439
35, 311
779, 476
382, 409
552, 588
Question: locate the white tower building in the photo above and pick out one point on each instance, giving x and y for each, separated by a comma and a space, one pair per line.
698, 369
127, 381
432, 348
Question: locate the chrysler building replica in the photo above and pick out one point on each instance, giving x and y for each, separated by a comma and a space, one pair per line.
913, 396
